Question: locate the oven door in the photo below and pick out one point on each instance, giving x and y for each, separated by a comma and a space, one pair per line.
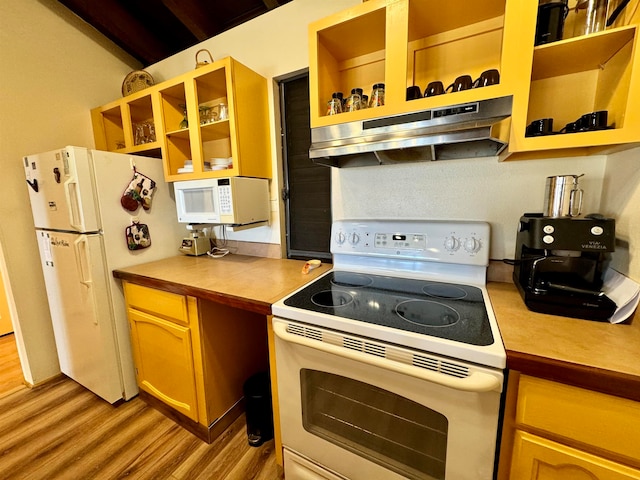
363, 410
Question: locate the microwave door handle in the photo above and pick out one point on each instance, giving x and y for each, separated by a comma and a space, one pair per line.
476, 382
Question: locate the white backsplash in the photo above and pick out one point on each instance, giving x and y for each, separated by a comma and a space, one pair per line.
471, 189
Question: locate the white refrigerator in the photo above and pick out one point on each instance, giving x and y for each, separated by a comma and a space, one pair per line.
84, 232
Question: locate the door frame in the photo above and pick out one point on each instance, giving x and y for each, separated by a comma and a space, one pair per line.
6, 300
284, 188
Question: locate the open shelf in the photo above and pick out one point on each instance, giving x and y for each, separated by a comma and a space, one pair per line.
453, 43
352, 54
581, 75
580, 54
142, 125
177, 140
113, 129
400, 44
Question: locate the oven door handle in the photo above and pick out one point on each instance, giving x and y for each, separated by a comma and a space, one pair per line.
475, 382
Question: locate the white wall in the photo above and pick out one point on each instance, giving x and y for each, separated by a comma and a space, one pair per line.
621, 200
53, 70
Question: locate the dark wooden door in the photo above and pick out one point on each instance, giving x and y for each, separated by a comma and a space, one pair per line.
307, 186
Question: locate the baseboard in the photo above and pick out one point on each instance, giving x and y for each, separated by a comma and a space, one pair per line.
206, 434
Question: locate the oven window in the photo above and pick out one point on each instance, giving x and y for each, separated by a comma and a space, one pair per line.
383, 427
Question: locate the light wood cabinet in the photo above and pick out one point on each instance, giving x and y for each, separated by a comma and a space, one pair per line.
556, 431
115, 125
164, 361
161, 337
536, 458
171, 123
192, 356
414, 42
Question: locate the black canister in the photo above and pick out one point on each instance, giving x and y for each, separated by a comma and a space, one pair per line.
259, 414
551, 16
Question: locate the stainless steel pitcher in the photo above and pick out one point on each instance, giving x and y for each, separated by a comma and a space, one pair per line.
562, 196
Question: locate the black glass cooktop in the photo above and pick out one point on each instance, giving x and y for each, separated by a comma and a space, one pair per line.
452, 311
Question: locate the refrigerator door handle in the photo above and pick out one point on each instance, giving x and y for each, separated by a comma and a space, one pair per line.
73, 206
83, 266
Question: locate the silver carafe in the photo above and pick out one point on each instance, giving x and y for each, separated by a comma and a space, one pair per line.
563, 197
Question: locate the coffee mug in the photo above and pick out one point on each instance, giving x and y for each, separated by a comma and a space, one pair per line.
593, 121
571, 127
486, 78
463, 82
542, 126
434, 88
413, 92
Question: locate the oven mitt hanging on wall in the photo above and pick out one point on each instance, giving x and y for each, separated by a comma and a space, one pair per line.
138, 192
137, 236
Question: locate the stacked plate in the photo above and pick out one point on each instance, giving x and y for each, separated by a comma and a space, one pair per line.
221, 163
188, 167
209, 165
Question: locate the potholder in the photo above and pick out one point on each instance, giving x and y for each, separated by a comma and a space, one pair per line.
138, 192
137, 236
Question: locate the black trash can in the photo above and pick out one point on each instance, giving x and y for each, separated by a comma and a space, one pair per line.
259, 414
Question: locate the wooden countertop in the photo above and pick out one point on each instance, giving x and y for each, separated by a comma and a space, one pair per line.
595, 355
252, 283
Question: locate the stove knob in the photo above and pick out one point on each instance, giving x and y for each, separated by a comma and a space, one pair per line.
354, 238
472, 245
340, 238
451, 244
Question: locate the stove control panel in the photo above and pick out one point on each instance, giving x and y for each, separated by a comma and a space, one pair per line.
401, 241
438, 241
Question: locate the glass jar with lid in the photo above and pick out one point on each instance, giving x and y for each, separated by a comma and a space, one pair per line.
334, 106
354, 101
377, 95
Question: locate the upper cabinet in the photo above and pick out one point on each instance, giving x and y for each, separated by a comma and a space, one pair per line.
210, 122
405, 43
579, 76
128, 125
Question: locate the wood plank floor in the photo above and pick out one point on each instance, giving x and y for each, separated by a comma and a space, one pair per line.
60, 430
11, 378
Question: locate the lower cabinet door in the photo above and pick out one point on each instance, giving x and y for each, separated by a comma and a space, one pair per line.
536, 458
164, 361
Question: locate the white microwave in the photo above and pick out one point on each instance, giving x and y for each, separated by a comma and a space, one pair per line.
223, 201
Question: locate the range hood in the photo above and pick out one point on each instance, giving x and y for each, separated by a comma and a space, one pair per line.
475, 129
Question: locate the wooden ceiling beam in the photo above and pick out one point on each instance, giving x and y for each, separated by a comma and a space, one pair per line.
115, 22
194, 17
271, 4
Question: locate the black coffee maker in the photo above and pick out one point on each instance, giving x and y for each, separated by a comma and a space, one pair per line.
559, 263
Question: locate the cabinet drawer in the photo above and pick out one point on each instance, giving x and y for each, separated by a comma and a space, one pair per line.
158, 302
608, 423
537, 458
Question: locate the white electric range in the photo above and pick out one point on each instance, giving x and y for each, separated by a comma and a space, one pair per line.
390, 365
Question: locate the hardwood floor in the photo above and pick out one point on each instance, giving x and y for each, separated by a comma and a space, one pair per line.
60, 430
11, 378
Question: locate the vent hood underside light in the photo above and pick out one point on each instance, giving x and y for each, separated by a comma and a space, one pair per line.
470, 130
